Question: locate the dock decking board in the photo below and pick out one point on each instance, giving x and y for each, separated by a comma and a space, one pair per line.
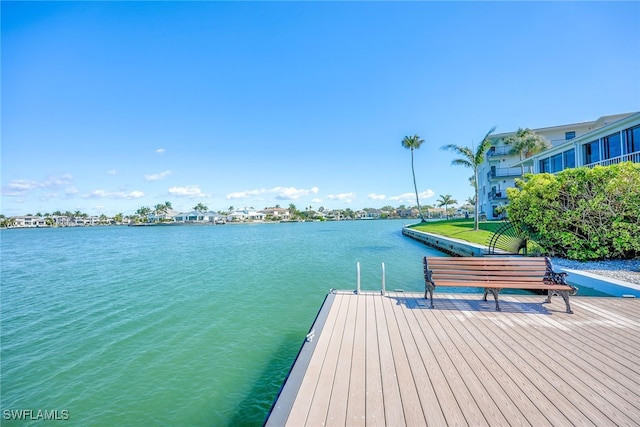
390, 360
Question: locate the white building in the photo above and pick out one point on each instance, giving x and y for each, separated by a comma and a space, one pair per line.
200, 217
617, 142
608, 139
245, 214
277, 213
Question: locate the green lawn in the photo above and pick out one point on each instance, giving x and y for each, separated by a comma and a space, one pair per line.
461, 229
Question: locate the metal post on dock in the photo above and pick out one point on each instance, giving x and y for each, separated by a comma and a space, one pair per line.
358, 278
383, 281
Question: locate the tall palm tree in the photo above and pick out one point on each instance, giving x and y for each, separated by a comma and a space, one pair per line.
445, 201
472, 158
413, 143
526, 143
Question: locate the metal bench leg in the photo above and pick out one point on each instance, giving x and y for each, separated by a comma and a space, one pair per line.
429, 284
494, 291
428, 289
565, 296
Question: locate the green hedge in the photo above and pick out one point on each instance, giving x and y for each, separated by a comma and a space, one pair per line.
581, 213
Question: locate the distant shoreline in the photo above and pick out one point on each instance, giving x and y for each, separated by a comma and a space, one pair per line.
202, 224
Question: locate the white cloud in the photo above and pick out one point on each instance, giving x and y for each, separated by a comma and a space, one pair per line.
374, 196
112, 172
18, 187
161, 151
57, 181
343, 197
245, 194
157, 176
292, 193
102, 194
282, 193
411, 197
189, 191
316, 200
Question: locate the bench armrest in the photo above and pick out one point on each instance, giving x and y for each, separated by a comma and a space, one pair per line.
556, 278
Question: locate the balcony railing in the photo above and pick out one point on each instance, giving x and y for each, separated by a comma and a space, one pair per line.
497, 195
504, 173
498, 151
631, 157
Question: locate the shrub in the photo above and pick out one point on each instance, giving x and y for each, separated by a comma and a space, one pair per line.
581, 213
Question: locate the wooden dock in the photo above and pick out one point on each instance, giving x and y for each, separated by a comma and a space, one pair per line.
374, 360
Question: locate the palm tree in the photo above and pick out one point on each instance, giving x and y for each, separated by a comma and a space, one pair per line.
472, 158
413, 143
526, 143
445, 201
143, 212
200, 207
293, 211
159, 209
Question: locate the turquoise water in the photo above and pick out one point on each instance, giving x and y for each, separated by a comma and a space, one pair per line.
194, 326
175, 325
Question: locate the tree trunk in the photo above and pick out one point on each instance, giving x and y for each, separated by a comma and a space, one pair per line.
415, 187
475, 214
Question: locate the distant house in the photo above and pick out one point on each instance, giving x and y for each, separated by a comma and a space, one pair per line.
28, 221
408, 213
163, 216
246, 214
436, 212
372, 214
277, 213
199, 217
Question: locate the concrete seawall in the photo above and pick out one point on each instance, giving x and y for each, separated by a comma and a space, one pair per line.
447, 245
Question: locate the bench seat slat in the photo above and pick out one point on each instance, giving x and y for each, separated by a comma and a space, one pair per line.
495, 276
504, 285
474, 269
537, 274
486, 260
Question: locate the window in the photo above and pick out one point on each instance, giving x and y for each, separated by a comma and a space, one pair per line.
544, 165
632, 140
569, 158
591, 152
569, 135
611, 146
556, 163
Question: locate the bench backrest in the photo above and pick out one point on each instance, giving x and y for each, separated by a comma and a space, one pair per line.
489, 269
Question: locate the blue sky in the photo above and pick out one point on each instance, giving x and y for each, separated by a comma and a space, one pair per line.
110, 106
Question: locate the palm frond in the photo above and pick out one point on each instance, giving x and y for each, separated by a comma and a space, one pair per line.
462, 162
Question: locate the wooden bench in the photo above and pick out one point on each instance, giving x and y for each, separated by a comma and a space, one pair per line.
495, 273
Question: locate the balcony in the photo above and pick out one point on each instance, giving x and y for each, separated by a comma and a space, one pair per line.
631, 157
498, 151
504, 173
498, 195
